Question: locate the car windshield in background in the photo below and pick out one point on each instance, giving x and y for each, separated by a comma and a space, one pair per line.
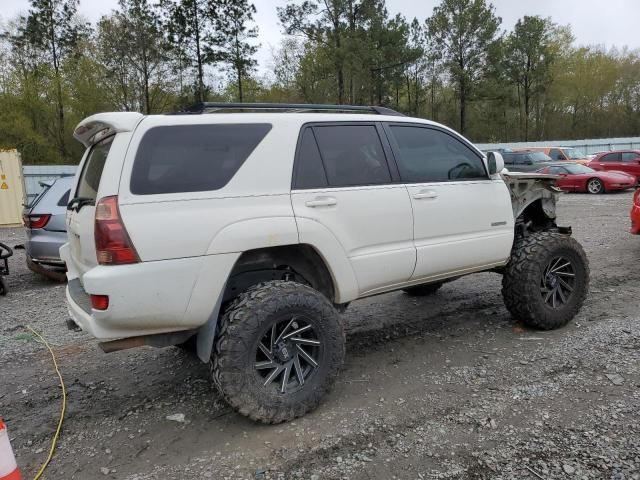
574, 154
577, 169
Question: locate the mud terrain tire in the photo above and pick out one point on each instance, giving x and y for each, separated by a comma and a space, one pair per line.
245, 342
533, 273
423, 290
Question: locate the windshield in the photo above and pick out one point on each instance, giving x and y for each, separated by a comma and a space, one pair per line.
574, 154
578, 169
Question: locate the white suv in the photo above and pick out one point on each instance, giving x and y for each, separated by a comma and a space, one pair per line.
245, 233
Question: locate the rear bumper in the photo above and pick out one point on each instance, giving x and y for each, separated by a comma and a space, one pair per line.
147, 298
43, 246
635, 220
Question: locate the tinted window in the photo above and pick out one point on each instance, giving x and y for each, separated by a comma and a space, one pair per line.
192, 158
352, 155
509, 158
92, 169
630, 156
556, 170
611, 157
64, 200
309, 170
524, 159
556, 154
429, 155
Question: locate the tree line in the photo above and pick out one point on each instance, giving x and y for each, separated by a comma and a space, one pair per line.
458, 67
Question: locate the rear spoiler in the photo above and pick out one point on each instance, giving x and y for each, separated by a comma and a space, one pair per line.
101, 125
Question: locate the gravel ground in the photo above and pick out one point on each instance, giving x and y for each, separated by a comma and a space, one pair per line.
441, 387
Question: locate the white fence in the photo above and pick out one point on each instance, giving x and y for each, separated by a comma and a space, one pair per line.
33, 174
587, 146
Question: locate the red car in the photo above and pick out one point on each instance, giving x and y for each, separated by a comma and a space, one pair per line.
579, 178
627, 161
635, 214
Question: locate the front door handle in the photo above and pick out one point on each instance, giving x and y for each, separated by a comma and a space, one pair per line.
322, 202
425, 194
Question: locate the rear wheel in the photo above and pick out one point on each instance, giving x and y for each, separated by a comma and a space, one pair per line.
423, 290
280, 346
546, 280
595, 186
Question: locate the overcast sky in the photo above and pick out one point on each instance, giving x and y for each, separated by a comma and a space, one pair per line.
605, 22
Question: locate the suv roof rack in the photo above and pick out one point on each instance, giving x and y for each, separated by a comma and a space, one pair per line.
213, 107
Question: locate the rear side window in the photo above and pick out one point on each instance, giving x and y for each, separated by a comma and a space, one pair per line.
611, 157
430, 155
192, 158
352, 155
556, 154
630, 156
64, 199
92, 169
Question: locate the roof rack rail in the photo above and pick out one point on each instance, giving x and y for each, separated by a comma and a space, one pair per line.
212, 107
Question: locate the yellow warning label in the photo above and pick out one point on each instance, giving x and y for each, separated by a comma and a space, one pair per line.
4, 186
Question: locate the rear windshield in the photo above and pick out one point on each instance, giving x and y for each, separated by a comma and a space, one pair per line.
192, 158
92, 169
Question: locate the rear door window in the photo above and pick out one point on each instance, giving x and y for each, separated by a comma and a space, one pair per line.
192, 158
352, 155
611, 157
309, 170
92, 169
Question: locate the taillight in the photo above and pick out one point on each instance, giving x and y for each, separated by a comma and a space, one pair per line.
99, 302
113, 245
36, 221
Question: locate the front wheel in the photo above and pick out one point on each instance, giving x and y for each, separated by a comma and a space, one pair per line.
280, 346
595, 186
546, 280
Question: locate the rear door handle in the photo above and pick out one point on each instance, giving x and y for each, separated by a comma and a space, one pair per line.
425, 194
321, 202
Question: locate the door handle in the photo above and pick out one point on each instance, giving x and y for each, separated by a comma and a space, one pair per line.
425, 194
321, 202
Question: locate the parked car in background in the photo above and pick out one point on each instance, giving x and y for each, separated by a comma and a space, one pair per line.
562, 154
635, 214
44, 219
627, 161
580, 178
525, 161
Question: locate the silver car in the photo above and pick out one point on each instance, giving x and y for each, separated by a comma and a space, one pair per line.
44, 219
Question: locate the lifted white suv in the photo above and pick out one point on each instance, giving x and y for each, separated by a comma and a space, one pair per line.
245, 233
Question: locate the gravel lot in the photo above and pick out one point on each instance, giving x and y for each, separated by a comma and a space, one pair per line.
440, 387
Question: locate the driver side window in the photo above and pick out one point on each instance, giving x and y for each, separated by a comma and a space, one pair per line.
430, 155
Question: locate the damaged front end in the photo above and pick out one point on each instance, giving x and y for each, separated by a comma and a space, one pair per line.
533, 199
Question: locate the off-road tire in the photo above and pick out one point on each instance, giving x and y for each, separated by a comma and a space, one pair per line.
240, 330
423, 290
522, 277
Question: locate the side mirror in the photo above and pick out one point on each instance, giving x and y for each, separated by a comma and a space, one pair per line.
494, 162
